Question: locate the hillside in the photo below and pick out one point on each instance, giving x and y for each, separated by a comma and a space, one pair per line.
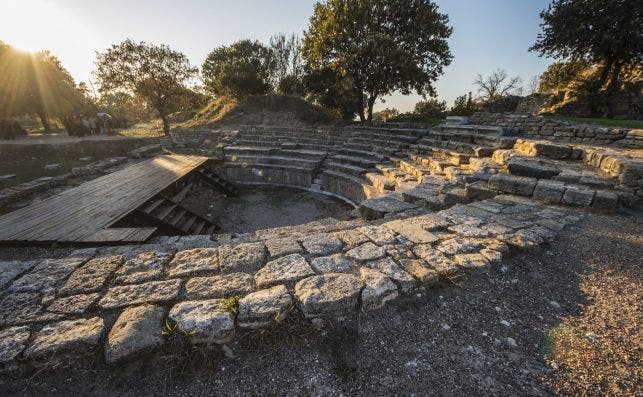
268, 109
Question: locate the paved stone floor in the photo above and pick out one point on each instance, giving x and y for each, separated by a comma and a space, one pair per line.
115, 299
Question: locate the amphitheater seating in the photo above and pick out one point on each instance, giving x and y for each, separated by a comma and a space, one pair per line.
433, 168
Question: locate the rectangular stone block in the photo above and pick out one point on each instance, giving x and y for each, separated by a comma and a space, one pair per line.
578, 196
549, 191
605, 200
520, 185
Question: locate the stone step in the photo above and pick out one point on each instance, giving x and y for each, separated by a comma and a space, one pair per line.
393, 131
345, 168
380, 182
385, 136
348, 186
360, 153
353, 160
379, 142
305, 163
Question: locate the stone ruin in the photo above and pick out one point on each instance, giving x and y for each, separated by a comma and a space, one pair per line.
431, 204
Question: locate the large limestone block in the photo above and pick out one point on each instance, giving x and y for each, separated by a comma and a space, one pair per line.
70, 336
334, 294
204, 321
263, 308
136, 331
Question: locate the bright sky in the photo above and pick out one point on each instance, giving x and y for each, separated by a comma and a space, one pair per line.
488, 34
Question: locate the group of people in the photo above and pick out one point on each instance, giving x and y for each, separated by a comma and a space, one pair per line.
100, 124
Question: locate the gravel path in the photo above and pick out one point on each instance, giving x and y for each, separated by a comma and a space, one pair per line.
565, 319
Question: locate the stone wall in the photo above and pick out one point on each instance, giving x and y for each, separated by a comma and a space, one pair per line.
543, 128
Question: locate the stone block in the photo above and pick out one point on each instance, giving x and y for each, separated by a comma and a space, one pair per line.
334, 294
70, 336
92, 276
605, 200
377, 208
136, 331
285, 270
136, 294
337, 263
322, 244
578, 196
519, 185
366, 252
263, 308
194, 261
204, 322
549, 191
378, 289
144, 266
283, 246
223, 286
388, 267
13, 341
246, 257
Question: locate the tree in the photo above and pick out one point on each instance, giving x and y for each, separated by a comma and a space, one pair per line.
332, 91
287, 66
37, 83
464, 105
496, 85
431, 108
243, 68
379, 46
608, 32
559, 75
154, 72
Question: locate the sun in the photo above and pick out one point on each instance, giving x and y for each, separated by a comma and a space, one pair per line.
33, 25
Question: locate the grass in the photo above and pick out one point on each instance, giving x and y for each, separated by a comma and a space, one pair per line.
632, 124
143, 130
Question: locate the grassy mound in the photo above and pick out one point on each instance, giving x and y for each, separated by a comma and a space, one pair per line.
267, 109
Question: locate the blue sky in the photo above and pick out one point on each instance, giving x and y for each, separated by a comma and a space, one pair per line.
488, 34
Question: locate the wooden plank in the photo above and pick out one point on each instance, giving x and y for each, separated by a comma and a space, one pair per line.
88, 210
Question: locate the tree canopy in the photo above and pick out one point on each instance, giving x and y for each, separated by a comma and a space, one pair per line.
240, 69
379, 46
154, 72
37, 83
609, 32
496, 85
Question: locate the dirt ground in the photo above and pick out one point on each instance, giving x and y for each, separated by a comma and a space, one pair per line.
263, 207
572, 311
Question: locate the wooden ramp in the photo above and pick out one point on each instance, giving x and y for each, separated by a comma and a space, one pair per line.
85, 214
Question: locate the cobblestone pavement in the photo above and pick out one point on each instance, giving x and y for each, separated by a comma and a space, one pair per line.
120, 299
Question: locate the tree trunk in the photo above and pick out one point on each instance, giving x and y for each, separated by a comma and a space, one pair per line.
44, 120
166, 125
371, 103
612, 88
604, 73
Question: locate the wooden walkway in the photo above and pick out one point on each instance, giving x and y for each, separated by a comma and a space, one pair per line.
85, 213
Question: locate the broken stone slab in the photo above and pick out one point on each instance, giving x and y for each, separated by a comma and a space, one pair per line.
333, 294
366, 252
377, 208
144, 266
223, 286
92, 276
378, 289
136, 294
193, 261
520, 185
578, 196
69, 336
263, 308
205, 321
419, 269
471, 261
549, 191
13, 341
378, 234
388, 267
479, 190
283, 246
47, 275
75, 304
136, 331
9, 270
285, 270
322, 244
337, 263
245, 257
